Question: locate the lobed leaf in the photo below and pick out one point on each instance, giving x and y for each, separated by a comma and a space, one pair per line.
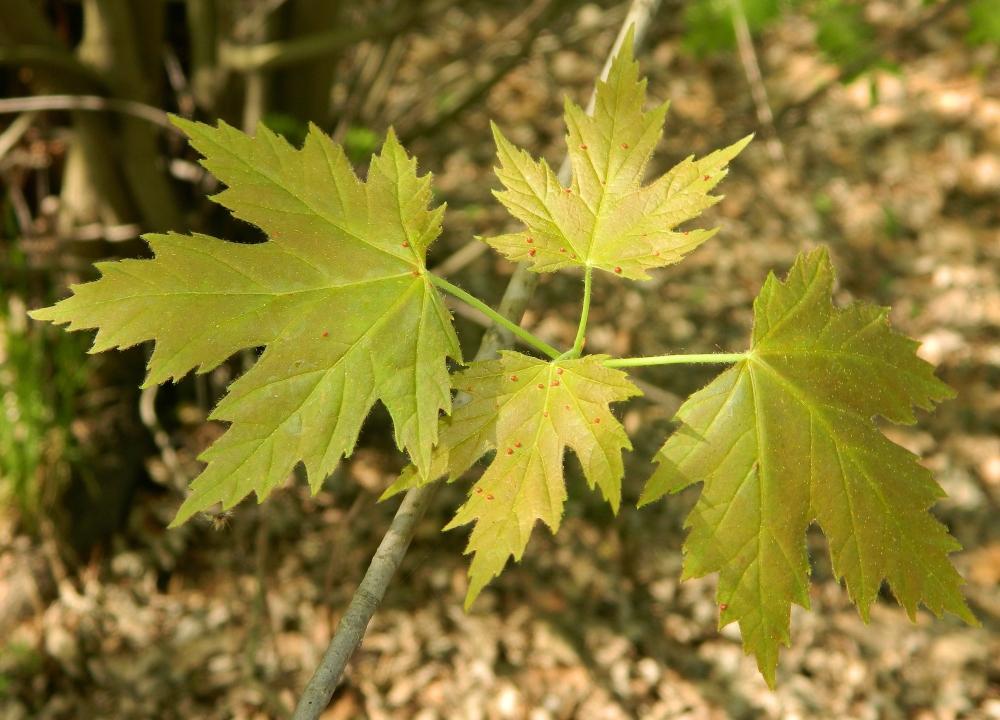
785, 438
606, 218
338, 295
529, 411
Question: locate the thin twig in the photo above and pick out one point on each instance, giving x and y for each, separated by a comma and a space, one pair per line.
147, 413
460, 258
351, 629
15, 193
87, 102
15, 131
748, 56
282, 53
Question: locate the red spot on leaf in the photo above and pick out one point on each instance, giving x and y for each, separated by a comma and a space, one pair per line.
687, 232
583, 147
513, 378
540, 386
572, 256
562, 249
618, 270
545, 414
567, 407
559, 371
656, 254
530, 240
468, 389
706, 177
723, 607
326, 334
517, 443
624, 146
566, 190
489, 497
554, 383
531, 251
510, 451
597, 420
406, 244
479, 490
415, 273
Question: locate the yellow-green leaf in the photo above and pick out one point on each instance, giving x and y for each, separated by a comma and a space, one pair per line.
339, 296
529, 411
606, 218
786, 438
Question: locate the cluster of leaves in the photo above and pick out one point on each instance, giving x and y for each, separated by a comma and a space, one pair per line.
349, 314
842, 32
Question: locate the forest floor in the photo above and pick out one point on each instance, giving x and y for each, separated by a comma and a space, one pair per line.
898, 171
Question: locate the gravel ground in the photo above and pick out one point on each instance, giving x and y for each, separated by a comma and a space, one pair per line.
898, 171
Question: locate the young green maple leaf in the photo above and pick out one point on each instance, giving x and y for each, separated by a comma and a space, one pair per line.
529, 411
606, 218
339, 295
786, 437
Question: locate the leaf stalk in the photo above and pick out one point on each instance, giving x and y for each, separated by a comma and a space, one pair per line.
588, 277
676, 359
494, 316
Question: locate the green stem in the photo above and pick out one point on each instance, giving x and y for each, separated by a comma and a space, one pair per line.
676, 359
494, 315
578, 343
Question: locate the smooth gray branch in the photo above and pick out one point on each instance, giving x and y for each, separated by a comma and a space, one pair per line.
87, 102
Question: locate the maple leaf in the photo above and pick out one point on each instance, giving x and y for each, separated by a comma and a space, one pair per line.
606, 218
339, 295
786, 437
529, 411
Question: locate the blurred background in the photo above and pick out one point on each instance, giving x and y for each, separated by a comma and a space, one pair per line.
878, 133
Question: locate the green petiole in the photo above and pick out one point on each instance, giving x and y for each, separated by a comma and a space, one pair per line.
578, 343
494, 316
676, 359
